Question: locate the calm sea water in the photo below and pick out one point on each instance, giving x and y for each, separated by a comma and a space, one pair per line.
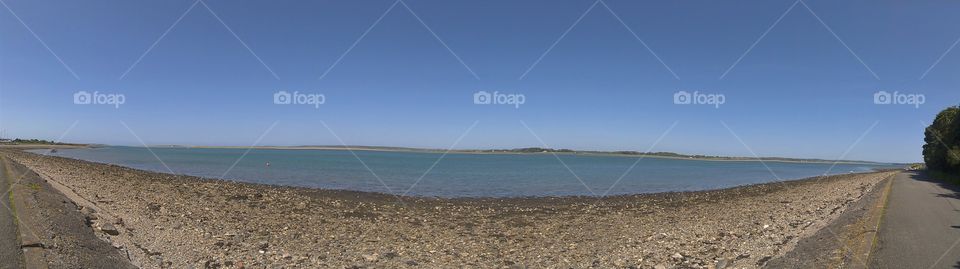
456, 175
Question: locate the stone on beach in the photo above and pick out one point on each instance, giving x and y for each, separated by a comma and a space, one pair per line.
109, 229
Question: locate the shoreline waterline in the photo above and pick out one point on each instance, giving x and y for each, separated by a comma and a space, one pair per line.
584, 153
420, 174
388, 196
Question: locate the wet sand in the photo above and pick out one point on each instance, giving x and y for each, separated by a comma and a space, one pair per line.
181, 221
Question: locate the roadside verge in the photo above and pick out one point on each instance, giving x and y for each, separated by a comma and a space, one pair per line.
847, 241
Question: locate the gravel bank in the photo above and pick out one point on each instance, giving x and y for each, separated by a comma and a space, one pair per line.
181, 221
53, 232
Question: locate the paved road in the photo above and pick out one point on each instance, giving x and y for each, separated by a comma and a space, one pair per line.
921, 225
9, 244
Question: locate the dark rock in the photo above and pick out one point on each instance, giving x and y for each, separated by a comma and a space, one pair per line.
32, 245
109, 229
211, 264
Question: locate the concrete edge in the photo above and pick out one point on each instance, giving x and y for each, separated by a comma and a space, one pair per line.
31, 247
122, 240
881, 209
859, 236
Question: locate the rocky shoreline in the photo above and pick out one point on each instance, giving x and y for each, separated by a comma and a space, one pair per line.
164, 221
53, 233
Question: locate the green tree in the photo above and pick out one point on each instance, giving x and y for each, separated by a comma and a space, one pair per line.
942, 149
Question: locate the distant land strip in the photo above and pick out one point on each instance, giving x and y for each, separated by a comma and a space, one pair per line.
538, 150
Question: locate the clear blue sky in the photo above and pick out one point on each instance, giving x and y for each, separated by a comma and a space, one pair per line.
798, 93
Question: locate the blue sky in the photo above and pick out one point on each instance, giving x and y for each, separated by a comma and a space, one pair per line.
800, 92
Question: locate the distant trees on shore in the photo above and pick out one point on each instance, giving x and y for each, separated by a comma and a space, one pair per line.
20, 141
941, 153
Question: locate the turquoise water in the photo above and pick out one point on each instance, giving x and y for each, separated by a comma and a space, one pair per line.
457, 175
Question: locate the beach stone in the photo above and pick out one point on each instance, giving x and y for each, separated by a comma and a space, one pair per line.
31, 244
87, 211
211, 264
677, 256
660, 266
722, 263
109, 229
371, 257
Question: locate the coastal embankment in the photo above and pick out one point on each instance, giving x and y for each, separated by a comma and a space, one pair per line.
163, 220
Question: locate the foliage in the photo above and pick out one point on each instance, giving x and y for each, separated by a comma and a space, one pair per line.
34, 142
944, 176
941, 153
536, 150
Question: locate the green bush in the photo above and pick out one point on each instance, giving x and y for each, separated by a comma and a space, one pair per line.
943, 176
941, 153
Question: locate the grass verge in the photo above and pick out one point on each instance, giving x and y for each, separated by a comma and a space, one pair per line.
944, 176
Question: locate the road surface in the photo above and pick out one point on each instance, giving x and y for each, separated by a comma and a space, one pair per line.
9, 243
921, 225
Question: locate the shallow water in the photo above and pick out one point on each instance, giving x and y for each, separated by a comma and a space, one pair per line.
457, 175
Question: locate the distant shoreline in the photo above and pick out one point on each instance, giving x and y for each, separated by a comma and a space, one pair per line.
44, 146
518, 151
674, 156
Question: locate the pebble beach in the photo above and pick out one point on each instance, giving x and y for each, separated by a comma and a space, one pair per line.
173, 221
